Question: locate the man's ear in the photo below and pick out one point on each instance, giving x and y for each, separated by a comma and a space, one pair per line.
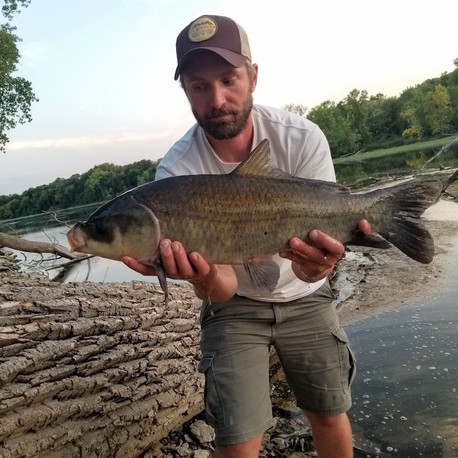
254, 77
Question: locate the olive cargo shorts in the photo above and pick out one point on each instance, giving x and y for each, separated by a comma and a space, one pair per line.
236, 339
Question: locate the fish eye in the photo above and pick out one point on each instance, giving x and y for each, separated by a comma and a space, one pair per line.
100, 228
96, 227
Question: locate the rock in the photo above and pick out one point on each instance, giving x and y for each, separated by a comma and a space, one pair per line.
279, 443
183, 450
203, 432
302, 454
202, 454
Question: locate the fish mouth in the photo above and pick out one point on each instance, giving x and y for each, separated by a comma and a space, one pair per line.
76, 239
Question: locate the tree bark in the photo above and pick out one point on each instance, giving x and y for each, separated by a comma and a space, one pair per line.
94, 369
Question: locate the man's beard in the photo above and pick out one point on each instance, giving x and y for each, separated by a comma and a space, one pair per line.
223, 129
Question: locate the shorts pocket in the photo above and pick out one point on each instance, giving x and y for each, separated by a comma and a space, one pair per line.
347, 359
204, 311
212, 396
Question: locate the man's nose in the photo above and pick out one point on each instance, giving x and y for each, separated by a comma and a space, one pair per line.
218, 97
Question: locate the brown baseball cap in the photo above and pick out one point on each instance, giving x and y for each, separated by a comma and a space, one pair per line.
218, 34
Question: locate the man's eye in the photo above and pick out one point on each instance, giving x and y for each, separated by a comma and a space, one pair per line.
198, 87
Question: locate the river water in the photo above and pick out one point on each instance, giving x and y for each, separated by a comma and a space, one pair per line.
406, 391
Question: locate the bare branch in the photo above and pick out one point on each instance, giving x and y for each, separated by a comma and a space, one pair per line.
33, 246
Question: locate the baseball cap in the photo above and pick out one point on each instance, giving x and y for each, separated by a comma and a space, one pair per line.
219, 34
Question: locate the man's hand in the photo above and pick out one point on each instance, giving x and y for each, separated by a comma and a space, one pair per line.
175, 262
215, 282
316, 259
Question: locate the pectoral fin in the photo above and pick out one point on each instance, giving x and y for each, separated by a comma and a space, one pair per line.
264, 273
160, 272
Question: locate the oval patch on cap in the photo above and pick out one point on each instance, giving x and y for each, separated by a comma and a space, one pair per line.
202, 29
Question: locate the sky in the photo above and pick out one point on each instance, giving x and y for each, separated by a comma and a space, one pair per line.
103, 69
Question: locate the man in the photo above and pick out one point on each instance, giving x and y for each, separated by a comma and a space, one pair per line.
240, 324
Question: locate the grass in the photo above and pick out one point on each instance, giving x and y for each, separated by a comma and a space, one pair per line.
358, 157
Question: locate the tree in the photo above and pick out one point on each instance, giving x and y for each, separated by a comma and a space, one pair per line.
12, 6
438, 112
102, 182
336, 126
414, 129
16, 95
383, 117
356, 113
299, 109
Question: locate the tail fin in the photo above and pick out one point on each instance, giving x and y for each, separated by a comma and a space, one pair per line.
406, 230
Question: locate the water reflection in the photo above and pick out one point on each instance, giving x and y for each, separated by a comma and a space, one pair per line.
401, 163
405, 395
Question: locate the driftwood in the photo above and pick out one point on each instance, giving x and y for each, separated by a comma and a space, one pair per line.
94, 369
19, 243
33, 246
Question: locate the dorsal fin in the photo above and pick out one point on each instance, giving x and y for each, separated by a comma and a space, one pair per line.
259, 163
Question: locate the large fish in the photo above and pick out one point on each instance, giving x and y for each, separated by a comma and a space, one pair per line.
249, 215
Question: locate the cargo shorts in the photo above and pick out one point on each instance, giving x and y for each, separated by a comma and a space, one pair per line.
236, 341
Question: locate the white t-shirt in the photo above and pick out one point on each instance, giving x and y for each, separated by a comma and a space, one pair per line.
297, 146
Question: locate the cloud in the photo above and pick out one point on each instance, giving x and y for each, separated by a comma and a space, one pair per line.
34, 53
86, 141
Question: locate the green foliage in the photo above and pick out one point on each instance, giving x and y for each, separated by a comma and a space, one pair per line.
414, 130
383, 118
360, 121
10, 7
299, 109
100, 183
336, 126
8, 52
438, 112
16, 95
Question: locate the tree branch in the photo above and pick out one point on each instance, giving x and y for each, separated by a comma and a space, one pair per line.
33, 246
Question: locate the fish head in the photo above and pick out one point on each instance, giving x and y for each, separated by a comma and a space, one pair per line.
122, 227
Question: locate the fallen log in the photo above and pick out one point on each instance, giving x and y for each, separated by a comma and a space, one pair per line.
94, 369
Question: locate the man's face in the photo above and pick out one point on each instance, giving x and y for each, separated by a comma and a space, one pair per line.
220, 94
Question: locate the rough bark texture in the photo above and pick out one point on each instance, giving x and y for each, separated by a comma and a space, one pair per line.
94, 369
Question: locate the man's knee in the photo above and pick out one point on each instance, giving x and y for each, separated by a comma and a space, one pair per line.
326, 421
248, 449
